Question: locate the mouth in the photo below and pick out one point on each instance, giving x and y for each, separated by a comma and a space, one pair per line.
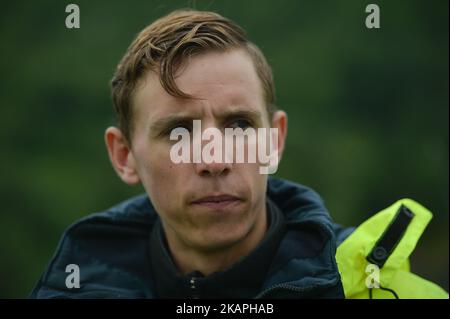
217, 202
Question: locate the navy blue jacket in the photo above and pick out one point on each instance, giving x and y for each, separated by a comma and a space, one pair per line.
112, 250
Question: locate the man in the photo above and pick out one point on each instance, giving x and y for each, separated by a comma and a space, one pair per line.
218, 229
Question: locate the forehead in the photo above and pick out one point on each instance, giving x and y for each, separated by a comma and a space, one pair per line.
219, 80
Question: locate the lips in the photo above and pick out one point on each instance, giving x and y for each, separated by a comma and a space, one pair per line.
217, 201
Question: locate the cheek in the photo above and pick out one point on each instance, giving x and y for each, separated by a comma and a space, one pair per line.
153, 160
250, 171
160, 177
251, 180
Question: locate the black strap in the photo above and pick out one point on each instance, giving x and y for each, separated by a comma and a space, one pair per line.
387, 289
391, 237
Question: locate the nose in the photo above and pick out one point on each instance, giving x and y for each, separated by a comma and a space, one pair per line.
212, 169
215, 161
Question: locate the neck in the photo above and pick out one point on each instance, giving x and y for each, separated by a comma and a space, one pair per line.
189, 259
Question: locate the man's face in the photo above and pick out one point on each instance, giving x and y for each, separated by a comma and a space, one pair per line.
202, 206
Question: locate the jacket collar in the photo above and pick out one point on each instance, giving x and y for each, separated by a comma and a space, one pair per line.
305, 264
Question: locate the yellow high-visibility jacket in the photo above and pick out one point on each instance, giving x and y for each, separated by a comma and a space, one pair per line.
373, 260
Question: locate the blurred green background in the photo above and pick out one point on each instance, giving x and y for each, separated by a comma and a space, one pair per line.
368, 113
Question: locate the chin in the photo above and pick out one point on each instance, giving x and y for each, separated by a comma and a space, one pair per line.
221, 238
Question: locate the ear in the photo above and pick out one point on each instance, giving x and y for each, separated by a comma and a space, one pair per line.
279, 121
121, 156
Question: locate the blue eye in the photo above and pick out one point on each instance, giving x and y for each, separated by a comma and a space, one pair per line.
241, 123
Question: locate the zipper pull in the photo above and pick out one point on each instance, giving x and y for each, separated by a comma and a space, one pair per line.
194, 288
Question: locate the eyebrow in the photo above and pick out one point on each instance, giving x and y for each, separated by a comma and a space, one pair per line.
176, 119
234, 113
